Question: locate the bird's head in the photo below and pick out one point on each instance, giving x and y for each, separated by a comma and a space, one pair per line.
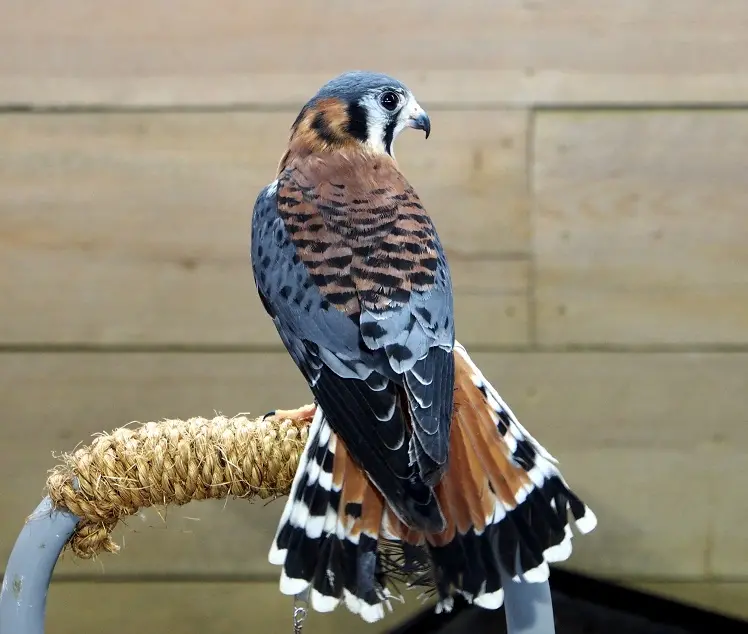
360, 109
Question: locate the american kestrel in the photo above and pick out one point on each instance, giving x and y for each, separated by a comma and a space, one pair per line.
415, 469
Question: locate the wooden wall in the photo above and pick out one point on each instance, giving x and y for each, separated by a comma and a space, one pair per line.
587, 172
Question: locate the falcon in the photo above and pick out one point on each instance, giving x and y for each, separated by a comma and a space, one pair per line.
415, 470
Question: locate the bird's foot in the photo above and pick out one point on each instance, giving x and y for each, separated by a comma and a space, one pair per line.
304, 413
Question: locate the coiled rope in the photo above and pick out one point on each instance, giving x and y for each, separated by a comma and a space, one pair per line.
175, 462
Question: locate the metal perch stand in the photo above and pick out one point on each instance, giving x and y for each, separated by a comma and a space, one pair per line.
173, 462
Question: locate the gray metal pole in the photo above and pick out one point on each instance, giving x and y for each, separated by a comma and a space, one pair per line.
23, 597
528, 606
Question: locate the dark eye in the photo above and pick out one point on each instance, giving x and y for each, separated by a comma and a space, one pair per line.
389, 100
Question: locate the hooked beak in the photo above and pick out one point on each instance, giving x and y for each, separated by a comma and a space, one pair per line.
419, 120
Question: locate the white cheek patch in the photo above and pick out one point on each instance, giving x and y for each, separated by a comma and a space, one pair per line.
401, 125
378, 118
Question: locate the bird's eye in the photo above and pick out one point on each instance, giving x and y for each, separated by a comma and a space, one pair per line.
389, 100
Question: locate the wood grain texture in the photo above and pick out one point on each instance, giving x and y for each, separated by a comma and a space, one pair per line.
512, 51
640, 226
225, 608
642, 458
653, 510
471, 175
730, 598
730, 514
195, 608
491, 302
134, 228
53, 402
583, 401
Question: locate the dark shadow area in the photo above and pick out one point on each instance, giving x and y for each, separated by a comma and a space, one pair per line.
584, 605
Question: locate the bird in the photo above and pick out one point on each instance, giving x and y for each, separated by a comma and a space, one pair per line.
415, 471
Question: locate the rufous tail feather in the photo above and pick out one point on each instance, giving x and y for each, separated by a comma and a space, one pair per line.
506, 504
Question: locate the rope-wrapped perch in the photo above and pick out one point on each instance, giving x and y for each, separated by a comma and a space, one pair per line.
175, 462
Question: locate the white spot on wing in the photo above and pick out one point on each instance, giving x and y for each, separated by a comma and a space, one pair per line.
325, 480
445, 605
292, 586
586, 523
277, 557
371, 613
539, 574
562, 551
323, 603
313, 472
490, 600
314, 526
324, 434
274, 557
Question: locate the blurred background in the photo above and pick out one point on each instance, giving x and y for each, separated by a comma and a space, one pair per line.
587, 171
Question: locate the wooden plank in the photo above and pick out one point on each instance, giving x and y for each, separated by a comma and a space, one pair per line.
164, 52
228, 607
729, 598
634, 461
730, 511
133, 228
491, 301
639, 227
638, 496
51, 402
472, 175
196, 608
582, 401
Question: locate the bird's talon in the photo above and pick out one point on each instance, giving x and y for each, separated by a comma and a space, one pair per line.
305, 412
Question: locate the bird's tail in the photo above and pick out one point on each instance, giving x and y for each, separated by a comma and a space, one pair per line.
506, 505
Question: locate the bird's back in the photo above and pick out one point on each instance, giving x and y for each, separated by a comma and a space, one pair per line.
360, 229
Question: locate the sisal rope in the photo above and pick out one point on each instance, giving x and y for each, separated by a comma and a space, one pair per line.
175, 462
